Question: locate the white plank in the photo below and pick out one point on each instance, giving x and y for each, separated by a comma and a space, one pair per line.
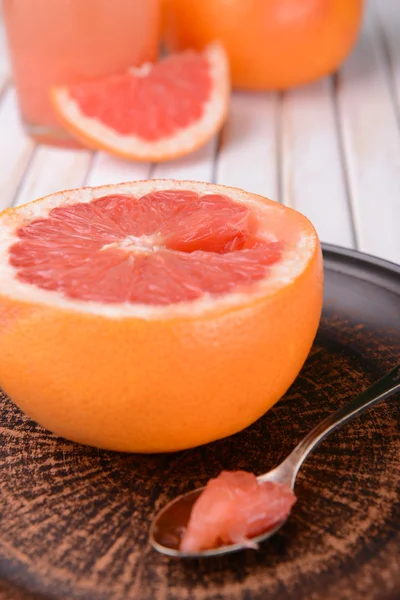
389, 17
52, 170
372, 146
197, 166
107, 169
312, 175
15, 149
248, 151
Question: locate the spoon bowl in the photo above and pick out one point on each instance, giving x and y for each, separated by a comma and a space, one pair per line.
167, 529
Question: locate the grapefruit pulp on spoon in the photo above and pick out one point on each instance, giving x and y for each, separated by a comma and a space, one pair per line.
157, 315
152, 113
234, 508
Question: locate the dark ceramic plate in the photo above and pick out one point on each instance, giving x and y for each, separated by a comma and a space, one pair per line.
74, 520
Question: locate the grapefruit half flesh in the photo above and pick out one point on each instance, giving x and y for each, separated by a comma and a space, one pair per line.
153, 113
154, 316
233, 509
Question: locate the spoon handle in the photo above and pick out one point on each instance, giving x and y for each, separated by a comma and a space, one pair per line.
381, 389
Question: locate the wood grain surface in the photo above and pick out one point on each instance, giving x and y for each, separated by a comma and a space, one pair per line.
74, 520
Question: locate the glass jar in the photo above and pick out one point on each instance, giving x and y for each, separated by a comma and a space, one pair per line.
53, 42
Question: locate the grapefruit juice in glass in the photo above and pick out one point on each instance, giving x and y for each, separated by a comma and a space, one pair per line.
67, 41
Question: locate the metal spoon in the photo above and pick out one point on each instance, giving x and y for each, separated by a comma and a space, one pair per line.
169, 524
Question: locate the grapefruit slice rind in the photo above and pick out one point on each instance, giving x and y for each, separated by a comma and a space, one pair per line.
183, 140
297, 244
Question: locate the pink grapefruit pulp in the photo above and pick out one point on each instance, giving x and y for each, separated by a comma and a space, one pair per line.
234, 508
161, 248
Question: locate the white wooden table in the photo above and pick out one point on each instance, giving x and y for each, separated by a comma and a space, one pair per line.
330, 150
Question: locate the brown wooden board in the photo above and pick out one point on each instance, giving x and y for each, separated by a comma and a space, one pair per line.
74, 520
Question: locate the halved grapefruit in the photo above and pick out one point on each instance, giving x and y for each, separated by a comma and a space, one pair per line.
157, 315
152, 113
233, 509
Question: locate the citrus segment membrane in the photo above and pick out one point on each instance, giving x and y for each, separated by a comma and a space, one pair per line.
151, 102
162, 248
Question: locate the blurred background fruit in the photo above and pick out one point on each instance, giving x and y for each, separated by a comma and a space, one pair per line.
271, 44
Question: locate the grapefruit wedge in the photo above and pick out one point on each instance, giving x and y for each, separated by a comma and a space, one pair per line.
152, 113
154, 316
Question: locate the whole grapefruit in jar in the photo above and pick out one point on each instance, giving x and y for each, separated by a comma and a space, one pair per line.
271, 44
